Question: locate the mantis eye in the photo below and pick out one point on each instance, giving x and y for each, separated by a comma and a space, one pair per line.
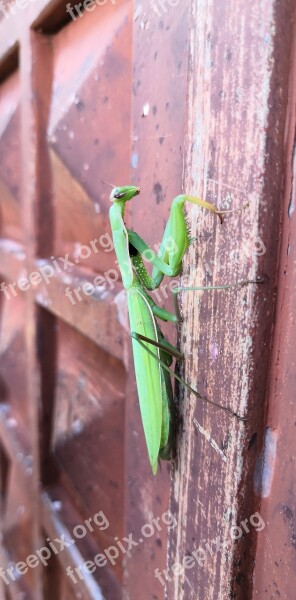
116, 193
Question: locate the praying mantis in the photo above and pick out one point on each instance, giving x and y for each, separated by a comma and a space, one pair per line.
153, 353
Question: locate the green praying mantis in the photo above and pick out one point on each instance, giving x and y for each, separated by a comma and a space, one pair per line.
153, 354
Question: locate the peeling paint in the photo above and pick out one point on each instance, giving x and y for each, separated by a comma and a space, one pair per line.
291, 208
265, 465
210, 440
135, 160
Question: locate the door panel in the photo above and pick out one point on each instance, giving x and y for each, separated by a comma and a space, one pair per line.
63, 357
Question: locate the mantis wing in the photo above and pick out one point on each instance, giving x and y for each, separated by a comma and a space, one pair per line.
148, 372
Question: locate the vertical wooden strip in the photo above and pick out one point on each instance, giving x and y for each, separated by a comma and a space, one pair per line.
236, 115
30, 207
275, 574
158, 122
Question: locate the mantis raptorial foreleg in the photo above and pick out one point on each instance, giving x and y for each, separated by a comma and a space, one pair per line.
142, 248
175, 241
163, 314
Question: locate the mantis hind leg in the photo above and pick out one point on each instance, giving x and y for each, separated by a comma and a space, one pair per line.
167, 351
141, 339
164, 345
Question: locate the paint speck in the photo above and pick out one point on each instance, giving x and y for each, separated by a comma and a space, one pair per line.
145, 25
71, 135
227, 515
146, 110
67, 279
138, 12
28, 460
291, 208
78, 103
76, 252
77, 427
228, 55
210, 440
86, 166
214, 351
157, 189
265, 465
135, 161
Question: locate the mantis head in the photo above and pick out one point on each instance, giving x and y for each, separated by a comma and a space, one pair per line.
123, 194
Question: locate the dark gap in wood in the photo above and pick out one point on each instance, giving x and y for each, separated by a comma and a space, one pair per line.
53, 18
52, 575
46, 353
7, 594
9, 63
5, 464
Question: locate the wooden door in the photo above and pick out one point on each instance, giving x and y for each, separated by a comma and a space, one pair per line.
170, 96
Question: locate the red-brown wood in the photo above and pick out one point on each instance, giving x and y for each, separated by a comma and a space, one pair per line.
63, 375
172, 97
275, 574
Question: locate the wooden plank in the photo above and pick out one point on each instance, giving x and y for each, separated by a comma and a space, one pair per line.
9, 36
159, 113
14, 437
275, 556
30, 200
70, 557
234, 156
12, 257
102, 316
